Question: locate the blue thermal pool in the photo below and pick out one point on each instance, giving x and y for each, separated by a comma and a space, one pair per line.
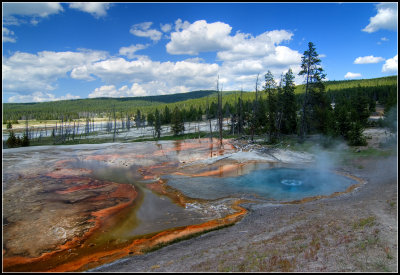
282, 184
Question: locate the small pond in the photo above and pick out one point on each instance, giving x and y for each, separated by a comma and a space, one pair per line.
281, 184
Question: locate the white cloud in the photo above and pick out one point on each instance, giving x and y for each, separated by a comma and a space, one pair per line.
278, 36
352, 75
112, 91
154, 87
244, 46
115, 70
386, 18
40, 97
25, 72
368, 59
199, 37
31, 9
97, 9
166, 27
8, 35
81, 72
170, 76
130, 51
390, 65
205, 37
384, 39
34, 21
11, 20
23, 13
16, 13
179, 25
242, 55
143, 30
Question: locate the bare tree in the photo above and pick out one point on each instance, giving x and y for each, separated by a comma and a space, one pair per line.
220, 118
254, 111
115, 123
240, 116
209, 119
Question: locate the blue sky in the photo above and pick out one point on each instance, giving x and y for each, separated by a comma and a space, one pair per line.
55, 51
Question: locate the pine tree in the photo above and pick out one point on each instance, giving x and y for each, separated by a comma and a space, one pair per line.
355, 135
310, 68
12, 140
240, 114
157, 124
208, 116
150, 119
272, 104
342, 118
167, 115
320, 111
199, 114
177, 123
115, 124
254, 112
360, 104
25, 140
138, 118
289, 121
128, 121
18, 142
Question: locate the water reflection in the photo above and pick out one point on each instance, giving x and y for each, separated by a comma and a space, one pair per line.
177, 146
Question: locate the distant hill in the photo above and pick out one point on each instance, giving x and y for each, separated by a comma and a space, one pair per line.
43, 110
81, 107
344, 84
166, 98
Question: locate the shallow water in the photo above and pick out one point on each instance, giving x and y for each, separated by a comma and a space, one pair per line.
282, 184
71, 190
85, 200
150, 213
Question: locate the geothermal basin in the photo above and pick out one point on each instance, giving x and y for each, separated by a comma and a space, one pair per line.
72, 208
277, 184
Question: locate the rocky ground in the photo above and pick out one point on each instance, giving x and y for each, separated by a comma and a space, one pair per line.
354, 232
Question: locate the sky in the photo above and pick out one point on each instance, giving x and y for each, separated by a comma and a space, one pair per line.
57, 51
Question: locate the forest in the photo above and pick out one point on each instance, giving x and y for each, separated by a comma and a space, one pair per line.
332, 108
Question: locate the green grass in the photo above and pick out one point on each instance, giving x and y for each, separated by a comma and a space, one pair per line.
372, 152
350, 155
360, 224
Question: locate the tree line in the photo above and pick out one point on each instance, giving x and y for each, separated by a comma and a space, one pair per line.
274, 111
277, 110
100, 107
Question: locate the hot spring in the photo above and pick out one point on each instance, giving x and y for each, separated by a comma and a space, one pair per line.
281, 184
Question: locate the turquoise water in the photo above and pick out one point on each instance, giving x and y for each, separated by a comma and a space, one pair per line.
283, 184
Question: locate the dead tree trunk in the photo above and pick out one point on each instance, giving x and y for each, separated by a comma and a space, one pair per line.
219, 112
255, 110
115, 124
209, 119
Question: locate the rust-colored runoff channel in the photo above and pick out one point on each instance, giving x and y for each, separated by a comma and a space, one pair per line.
108, 204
